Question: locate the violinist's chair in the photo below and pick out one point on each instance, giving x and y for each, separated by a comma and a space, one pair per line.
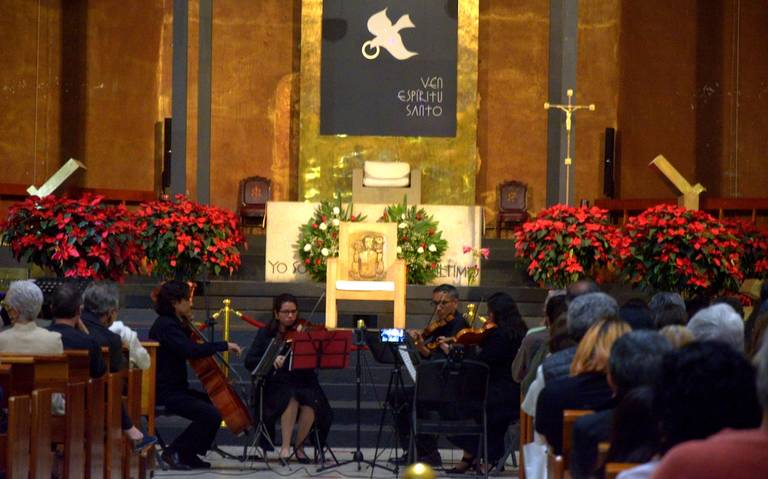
442, 385
386, 182
253, 194
367, 269
512, 205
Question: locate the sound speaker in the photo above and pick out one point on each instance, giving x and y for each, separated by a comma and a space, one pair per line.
167, 153
609, 163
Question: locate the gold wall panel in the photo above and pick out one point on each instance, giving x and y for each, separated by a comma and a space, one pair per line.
448, 165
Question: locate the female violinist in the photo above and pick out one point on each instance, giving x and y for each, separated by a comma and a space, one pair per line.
497, 348
174, 308
293, 396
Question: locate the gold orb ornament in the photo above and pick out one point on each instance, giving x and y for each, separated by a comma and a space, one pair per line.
419, 471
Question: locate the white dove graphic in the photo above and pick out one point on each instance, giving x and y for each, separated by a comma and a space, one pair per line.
387, 36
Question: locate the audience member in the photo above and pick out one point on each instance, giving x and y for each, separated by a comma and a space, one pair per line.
65, 308
758, 335
587, 387
583, 286
583, 312
718, 323
678, 336
728, 454
137, 354
704, 387
635, 431
731, 301
670, 315
100, 307
696, 304
635, 361
637, 314
23, 302
663, 299
536, 338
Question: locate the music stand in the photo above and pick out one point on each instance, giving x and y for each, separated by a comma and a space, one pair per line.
321, 350
390, 353
258, 378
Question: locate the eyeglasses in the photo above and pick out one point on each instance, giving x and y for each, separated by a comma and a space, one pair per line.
441, 303
288, 312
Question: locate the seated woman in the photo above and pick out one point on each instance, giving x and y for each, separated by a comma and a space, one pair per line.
587, 386
497, 349
293, 396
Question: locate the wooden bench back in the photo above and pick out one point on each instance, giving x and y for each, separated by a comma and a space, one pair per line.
95, 429
114, 439
19, 429
75, 437
41, 457
148, 397
569, 419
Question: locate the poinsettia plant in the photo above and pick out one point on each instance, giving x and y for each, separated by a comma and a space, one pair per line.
754, 248
564, 244
670, 248
319, 237
74, 238
419, 241
181, 238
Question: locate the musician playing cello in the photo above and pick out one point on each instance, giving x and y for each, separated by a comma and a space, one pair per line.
294, 396
174, 307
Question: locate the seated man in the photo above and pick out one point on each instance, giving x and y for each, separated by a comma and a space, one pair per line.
719, 322
23, 302
100, 306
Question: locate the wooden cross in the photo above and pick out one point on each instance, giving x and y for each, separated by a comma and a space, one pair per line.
569, 109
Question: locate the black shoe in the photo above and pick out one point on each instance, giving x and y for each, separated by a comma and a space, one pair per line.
303, 458
433, 459
172, 459
399, 461
195, 462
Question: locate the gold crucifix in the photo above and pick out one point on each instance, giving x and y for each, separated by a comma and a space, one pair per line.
569, 110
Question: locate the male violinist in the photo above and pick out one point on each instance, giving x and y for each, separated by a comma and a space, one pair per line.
443, 323
174, 307
445, 300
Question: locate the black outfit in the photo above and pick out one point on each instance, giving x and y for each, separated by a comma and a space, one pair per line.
282, 385
497, 350
585, 391
173, 390
111, 340
558, 365
426, 444
73, 338
588, 432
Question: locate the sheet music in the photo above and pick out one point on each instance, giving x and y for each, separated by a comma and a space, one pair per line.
403, 351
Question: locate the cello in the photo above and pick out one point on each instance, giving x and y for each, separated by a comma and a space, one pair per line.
225, 399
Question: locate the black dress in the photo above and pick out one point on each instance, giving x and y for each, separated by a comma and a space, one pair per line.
498, 351
283, 384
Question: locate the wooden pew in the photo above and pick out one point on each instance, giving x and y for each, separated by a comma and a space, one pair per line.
148, 398
17, 440
557, 465
526, 436
74, 435
95, 428
41, 456
114, 439
132, 400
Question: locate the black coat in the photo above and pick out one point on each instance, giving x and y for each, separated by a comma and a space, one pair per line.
72, 338
105, 337
174, 351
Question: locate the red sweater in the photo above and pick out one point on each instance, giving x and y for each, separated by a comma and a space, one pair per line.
729, 454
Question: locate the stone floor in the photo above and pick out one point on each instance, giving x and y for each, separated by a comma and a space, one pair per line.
229, 468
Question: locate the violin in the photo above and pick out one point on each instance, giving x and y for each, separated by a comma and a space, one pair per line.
472, 335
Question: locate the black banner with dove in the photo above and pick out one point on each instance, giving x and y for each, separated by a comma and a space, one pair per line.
388, 68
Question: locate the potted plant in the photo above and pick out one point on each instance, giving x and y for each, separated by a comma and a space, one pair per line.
564, 244
73, 238
670, 248
419, 241
182, 238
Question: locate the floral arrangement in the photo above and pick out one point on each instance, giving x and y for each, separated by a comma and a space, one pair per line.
477, 255
74, 238
563, 244
181, 237
319, 237
669, 248
754, 248
419, 242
